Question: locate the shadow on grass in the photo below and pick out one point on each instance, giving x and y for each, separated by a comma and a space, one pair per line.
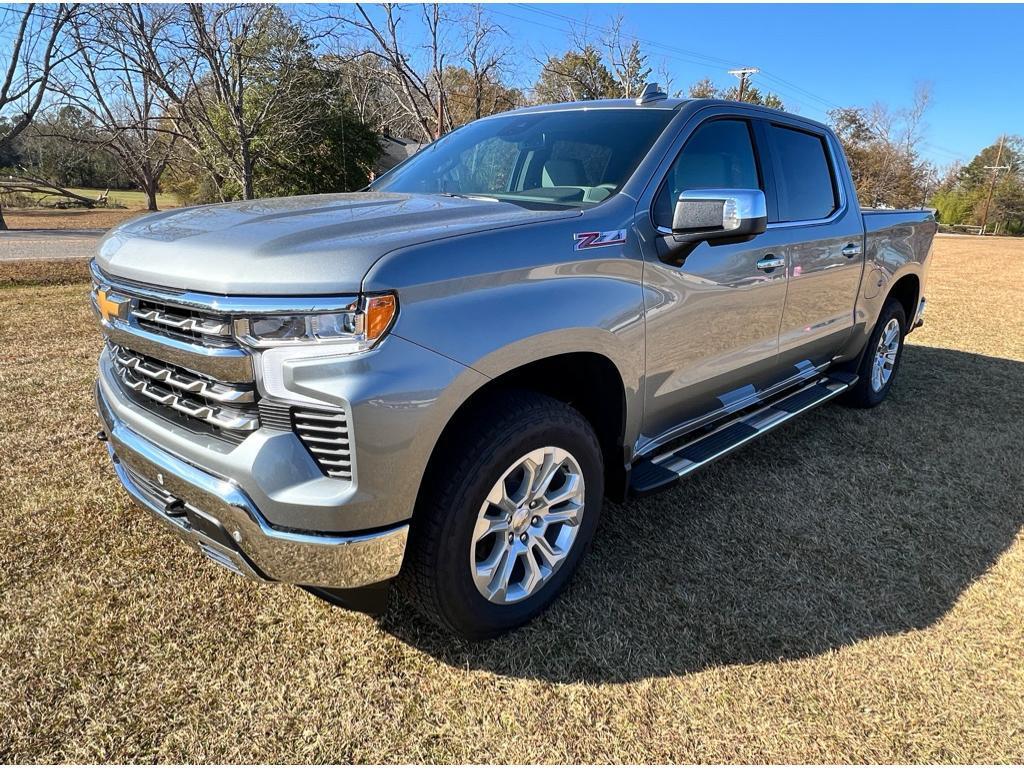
842, 526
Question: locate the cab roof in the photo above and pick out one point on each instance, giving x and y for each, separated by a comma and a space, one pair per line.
659, 104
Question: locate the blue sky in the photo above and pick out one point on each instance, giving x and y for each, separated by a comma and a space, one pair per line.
842, 54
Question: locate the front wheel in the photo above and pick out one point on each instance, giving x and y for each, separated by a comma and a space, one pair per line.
505, 515
881, 360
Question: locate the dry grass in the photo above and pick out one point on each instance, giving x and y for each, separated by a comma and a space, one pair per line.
43, 272
849, 589
133, 202
98, 218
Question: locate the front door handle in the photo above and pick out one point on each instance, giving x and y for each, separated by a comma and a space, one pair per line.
851, 250
769, 262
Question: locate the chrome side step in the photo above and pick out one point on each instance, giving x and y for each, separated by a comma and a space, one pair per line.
654, 473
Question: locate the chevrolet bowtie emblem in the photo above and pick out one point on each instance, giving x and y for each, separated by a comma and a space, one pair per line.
110, 304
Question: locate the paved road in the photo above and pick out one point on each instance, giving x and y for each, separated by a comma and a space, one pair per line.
48, 244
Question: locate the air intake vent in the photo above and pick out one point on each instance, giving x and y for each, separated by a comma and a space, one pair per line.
275, 415
325, 435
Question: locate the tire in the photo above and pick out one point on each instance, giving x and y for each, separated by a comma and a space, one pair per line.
873, 386
447, 562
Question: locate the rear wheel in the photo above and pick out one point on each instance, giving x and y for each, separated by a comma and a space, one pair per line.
881, 360
505, 516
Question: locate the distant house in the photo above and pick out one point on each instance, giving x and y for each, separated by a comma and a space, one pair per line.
395, 151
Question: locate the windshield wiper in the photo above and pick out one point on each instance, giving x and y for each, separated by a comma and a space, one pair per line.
470, 197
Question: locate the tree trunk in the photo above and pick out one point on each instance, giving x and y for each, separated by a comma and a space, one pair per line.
149, 185
247, 184
3, 224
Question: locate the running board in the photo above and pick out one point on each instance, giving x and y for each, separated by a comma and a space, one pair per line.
663, 469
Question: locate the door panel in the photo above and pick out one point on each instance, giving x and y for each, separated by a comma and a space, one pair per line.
823, 286
824, 237
713, 322
712, 333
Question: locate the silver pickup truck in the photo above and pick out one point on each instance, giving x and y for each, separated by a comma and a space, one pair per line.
436, 381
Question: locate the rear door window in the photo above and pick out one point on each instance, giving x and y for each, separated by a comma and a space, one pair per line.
803, 173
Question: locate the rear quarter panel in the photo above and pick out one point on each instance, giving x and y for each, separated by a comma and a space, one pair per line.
896, 244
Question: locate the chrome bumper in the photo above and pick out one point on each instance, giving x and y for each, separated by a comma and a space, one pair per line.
217, 517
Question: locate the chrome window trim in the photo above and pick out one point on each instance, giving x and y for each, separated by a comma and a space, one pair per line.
225, 305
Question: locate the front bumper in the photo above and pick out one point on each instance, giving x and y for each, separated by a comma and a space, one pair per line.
218, 518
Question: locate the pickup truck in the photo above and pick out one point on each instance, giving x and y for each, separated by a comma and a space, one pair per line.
432, 384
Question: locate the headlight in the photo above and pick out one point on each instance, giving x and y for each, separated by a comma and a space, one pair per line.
362, 324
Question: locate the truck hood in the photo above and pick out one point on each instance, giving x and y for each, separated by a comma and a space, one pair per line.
315, 244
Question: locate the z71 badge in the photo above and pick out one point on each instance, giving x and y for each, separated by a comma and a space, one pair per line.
586, 240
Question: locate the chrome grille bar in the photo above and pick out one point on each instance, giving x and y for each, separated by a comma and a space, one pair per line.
216, 391
218, 417
204, 326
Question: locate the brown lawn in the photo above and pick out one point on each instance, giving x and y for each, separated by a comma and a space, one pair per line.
97, 218
849, 589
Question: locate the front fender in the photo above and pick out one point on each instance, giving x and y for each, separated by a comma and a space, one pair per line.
496, 301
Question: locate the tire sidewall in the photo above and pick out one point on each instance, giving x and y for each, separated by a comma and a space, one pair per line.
463, 605
892, 310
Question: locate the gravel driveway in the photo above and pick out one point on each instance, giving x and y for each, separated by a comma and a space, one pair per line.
48, 244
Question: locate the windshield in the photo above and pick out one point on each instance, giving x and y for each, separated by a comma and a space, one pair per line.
573, 159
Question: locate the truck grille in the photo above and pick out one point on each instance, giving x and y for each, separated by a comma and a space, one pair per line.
176, 356
186, 324
223, 406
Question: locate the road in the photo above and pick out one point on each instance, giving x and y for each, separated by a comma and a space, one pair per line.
48, 244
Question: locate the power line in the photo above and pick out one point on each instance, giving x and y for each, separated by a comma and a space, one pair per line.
675, 53
783, 86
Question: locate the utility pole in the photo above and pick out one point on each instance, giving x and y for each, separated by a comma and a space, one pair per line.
992, 182
743, 73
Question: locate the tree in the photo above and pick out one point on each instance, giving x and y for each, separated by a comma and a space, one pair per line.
338, 156
882, 147
65, 147
233, 77
706, 89
110, 79
753, 95
576, 76
35, 40
334, 150
418, 93
362, 78
962, 195
472, 96
628, 63
481, 91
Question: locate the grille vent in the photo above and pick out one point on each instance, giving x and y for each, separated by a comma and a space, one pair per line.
325, 435
275, 415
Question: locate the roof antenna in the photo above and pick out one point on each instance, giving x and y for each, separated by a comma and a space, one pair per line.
651, 92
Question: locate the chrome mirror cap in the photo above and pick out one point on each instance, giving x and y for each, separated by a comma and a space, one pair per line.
720, 213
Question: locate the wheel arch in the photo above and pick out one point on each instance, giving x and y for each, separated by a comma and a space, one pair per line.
907, 290
587, 380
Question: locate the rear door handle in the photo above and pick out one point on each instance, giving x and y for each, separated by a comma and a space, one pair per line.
769, 262
851, 250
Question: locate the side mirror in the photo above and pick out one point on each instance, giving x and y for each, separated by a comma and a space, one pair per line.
719, 215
